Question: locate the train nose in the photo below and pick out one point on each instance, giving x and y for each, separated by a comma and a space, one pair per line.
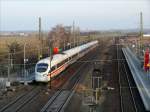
41, 78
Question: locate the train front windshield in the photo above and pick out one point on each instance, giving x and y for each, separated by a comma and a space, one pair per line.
42, 67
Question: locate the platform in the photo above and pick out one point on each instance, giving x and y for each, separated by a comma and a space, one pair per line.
141, 78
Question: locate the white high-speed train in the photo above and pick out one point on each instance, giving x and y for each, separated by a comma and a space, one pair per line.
59, 62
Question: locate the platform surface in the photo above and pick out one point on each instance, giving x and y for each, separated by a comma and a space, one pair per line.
141, 78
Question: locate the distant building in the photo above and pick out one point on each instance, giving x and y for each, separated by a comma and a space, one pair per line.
23, 34
6, 34
146, 35
132, 35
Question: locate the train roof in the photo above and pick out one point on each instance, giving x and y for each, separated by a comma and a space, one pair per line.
57, 58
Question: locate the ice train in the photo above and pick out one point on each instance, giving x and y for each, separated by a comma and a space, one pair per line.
46, 68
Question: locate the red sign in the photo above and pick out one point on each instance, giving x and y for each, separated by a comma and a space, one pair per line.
55, 50
146, 59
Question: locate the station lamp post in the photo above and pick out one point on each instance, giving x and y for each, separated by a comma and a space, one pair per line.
8, 72
24, 55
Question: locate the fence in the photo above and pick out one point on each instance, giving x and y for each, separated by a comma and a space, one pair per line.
18, 76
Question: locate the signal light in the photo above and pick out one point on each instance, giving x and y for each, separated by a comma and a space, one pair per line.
56, 50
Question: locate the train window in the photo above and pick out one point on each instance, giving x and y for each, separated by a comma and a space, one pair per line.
69, 58
53, 68
42, 67
66, 60
74, 55
61, 63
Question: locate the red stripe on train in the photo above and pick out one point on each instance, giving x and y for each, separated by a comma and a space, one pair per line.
58, 70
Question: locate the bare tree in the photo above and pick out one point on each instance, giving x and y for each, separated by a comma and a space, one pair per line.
14, 46
59, 35
15, 55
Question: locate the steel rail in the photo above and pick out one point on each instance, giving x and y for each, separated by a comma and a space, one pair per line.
129, 83
24, 98
120, 91
53, 99
129, 87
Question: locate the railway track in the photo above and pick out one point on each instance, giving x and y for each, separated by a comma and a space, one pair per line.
129, 96
56, 103
21, 100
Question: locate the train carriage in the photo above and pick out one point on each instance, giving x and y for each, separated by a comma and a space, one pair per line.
59, 62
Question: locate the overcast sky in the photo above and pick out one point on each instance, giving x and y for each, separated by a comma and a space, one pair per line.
87, 14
